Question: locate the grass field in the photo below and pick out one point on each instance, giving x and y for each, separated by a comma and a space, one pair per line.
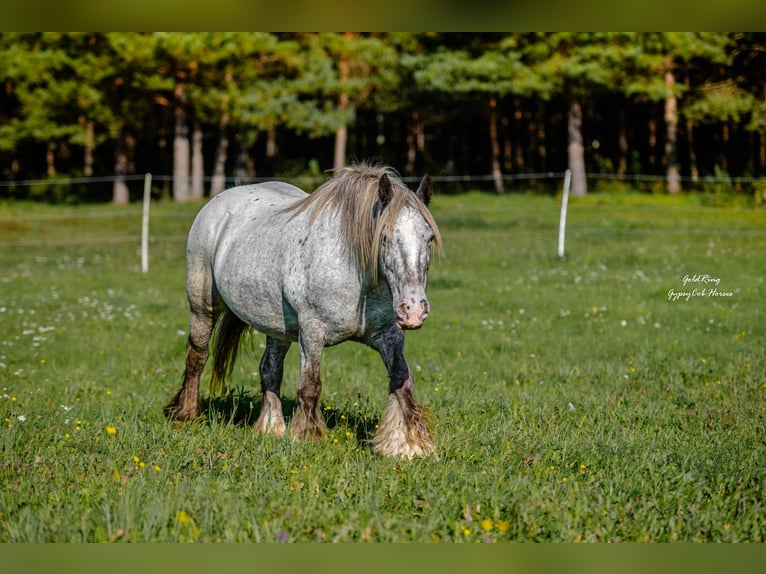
589, 399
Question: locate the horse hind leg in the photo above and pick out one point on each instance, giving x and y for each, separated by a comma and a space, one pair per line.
271, 420
186, 403
203, 300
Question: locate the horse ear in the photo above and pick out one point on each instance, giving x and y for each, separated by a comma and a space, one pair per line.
424, 190
384, 189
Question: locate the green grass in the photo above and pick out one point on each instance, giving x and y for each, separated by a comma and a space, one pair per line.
572, 400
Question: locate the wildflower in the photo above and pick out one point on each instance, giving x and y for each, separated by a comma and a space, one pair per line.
486, 525
136, 459
503, 525
21, 418
183, 517
157, 468
111, 430
466, 531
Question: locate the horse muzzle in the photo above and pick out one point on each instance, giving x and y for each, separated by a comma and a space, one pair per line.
411, 314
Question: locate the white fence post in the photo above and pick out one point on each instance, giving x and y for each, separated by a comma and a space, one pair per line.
563, 218
145, 223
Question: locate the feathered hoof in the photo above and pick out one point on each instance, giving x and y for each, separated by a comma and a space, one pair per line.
178, 412
403, 431
270, 421
307, 427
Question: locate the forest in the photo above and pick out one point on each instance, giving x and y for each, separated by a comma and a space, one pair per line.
662, 112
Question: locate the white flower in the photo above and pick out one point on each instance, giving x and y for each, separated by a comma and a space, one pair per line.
21, 418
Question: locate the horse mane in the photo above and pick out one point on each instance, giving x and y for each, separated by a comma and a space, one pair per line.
353, 195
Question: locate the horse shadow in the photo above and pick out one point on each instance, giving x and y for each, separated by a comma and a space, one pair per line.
240, 407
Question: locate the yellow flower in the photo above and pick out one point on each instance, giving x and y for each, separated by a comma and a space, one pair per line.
183, 517
466, 531
111, 430
486, 525
136, 459
503, 525
157, 468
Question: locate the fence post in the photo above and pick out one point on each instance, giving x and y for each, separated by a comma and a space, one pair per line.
145, 223
563, 218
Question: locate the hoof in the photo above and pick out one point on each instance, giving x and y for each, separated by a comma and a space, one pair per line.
179, 413
270, 421
403, 431
307, 427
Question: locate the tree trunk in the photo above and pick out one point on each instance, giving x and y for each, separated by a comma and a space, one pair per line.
652, 141
272, 149
181, 147
415, 142
218, 183
341, 134
198, 165
725, 137
87, 168
507, 144
622, 144
120, 193
576, 150
497, 175
692, 154
539, 139
518, 117
50, 159
671, 123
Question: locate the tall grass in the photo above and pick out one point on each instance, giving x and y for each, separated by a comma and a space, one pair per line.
573, 401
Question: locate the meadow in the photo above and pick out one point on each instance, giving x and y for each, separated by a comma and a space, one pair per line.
598, 398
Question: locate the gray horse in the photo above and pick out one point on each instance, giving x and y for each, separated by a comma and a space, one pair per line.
348, 262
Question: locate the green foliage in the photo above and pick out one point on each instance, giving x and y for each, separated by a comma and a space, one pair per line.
573, 401
65, 92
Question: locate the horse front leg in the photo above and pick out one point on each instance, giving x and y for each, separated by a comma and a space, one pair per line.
404, 428
307, 421
186, 403
271, 420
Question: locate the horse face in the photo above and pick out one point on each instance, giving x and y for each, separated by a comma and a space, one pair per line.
404, 258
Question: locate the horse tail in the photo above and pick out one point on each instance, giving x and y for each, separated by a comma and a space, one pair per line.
228, 334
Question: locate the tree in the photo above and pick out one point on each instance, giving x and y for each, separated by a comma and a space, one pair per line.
492, 70
57, 80
339, 74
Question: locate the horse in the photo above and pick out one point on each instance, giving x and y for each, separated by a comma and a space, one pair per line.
348, 262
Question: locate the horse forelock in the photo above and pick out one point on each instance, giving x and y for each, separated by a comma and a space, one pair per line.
353, 196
